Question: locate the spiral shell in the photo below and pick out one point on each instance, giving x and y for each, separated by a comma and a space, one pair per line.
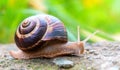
36, 30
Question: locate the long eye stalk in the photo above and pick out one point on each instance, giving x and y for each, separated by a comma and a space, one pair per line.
78, 30
90, 36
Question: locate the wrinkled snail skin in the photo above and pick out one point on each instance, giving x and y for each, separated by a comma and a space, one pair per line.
51, 51
43, 36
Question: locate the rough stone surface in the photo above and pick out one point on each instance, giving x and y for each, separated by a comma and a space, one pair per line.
97, 56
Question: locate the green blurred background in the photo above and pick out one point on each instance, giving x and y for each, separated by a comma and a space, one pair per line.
90, 15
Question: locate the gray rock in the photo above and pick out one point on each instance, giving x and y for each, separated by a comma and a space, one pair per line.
63, 63
92, 51
2, 61
114, 68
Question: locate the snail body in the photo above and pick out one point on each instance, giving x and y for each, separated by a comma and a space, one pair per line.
48, 52
44, 36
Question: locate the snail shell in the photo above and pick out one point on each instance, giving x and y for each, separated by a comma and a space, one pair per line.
38, 30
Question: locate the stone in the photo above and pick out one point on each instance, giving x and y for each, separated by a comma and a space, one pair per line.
114, 68
63, 63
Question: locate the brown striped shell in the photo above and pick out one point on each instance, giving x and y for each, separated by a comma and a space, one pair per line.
35, 31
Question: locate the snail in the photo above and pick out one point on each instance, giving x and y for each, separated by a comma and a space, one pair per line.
44, 36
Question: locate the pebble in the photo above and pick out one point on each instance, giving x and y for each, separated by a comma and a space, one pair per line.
9, 57
12, 69
2, 61
114, 68
17, 69
114, 62
63, 63
91, 51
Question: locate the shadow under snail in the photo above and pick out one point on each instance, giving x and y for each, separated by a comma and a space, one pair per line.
45, 36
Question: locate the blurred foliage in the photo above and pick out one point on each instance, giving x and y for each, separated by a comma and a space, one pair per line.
12, 12
90, 15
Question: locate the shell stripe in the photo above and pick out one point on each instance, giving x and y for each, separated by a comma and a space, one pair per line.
29, 34
41, 38
37, 26
47, 27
